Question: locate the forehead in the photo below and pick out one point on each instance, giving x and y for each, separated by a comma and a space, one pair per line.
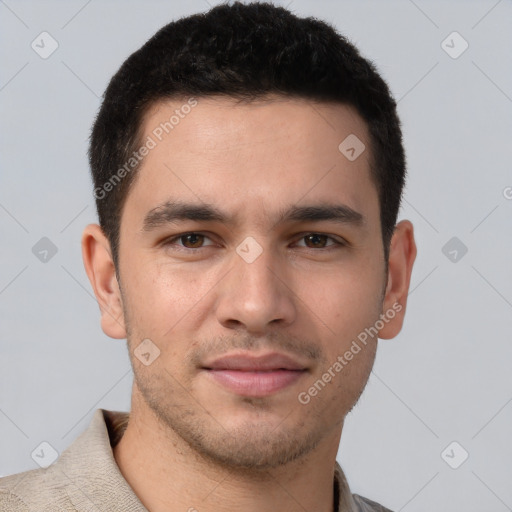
268, 152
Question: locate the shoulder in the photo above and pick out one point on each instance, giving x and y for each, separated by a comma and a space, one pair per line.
366, 505
24, 491
85, 474
11, 502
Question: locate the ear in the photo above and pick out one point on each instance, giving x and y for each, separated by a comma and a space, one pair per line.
100, 269
402, 254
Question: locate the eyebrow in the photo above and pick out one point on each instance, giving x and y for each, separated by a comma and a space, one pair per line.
172, 212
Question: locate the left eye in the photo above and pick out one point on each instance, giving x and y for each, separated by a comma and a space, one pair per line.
317, 240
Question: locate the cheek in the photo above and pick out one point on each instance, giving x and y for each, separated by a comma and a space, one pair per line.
163, 301
346, 308
345, 302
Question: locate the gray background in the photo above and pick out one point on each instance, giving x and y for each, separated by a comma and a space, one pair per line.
445, 378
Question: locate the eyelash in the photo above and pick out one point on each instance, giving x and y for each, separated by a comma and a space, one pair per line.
170, 241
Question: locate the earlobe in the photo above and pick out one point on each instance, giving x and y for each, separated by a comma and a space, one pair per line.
100, 269
402, 254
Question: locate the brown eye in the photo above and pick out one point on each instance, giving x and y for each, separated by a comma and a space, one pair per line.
188, 243
192, 240
315, 240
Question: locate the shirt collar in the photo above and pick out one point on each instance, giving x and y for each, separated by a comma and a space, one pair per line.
89, 463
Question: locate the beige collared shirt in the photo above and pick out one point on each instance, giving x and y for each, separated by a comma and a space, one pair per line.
86, 478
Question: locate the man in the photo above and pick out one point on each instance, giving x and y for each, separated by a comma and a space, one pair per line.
248, 170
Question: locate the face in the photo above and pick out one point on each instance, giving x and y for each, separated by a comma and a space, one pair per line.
251, 257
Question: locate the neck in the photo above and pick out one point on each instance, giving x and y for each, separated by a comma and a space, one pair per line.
168, 475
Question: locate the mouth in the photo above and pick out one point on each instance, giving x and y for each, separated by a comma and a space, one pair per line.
247, 375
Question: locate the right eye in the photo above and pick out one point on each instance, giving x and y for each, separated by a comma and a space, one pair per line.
190, 240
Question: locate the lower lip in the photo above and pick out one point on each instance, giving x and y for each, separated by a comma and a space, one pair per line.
253, 383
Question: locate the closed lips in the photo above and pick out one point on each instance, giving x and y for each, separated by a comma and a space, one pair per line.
261, 376
264, 363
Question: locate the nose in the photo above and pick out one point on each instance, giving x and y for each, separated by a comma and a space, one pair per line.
256, 294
